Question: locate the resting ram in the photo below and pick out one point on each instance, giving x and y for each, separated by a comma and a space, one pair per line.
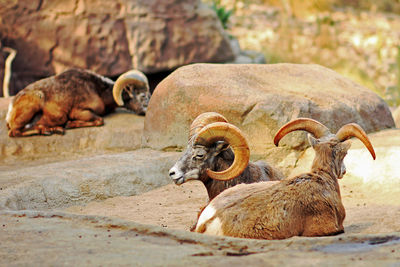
74, 98
305, 205
218, 155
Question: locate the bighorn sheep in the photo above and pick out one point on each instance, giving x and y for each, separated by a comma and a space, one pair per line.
218, 155
74, 98
305, 205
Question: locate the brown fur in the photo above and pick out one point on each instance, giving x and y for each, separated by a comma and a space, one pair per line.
218, 158
254, 173
74, 98
305, 205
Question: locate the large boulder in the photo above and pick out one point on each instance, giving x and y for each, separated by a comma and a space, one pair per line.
109, 37
259, 99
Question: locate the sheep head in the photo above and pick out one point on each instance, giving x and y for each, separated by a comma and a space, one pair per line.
131, 90
211, 135
330, 149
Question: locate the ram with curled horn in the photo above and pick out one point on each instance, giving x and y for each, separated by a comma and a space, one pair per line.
304, 205
74, 98
218, 155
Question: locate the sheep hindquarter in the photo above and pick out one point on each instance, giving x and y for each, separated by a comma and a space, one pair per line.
266, 210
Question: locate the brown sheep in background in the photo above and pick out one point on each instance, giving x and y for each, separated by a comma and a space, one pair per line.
74, 98
305, 205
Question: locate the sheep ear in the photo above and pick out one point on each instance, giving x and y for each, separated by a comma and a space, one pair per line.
346, 145
312, 140
221, 146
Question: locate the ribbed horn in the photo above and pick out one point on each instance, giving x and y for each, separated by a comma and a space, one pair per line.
354, 130
222, 131
132, 77
204, 119
306, 124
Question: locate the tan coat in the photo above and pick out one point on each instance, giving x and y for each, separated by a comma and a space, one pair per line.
305, 205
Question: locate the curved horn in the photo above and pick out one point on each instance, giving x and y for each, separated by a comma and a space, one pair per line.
354, 130
133, 77
312, 126
203, 120
222, 131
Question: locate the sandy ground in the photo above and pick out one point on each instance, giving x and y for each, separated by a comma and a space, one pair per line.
369, 208
169, 206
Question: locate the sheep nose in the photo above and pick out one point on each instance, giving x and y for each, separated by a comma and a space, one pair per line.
172, 172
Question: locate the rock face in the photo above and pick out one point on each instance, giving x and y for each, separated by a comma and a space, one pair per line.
259, 99
73, 182
109, 38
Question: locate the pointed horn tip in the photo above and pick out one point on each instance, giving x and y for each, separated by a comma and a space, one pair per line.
118, 100
372, 152
276, 141
355, 130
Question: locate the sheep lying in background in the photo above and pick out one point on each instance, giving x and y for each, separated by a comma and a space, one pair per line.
218, 155
305, 205
74, 98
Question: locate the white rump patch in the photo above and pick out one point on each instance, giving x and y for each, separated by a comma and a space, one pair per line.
8, 116
206, 215
213, 225
214, 228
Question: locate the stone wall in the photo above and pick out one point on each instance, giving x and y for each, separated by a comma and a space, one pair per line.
109, 37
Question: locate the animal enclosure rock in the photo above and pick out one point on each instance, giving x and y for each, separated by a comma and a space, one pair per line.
259, 99
109, 37
72, 182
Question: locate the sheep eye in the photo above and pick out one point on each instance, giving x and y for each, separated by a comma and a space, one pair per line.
199, 156
142, 97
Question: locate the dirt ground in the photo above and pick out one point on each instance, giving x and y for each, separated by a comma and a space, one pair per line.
369, 208
170, 206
